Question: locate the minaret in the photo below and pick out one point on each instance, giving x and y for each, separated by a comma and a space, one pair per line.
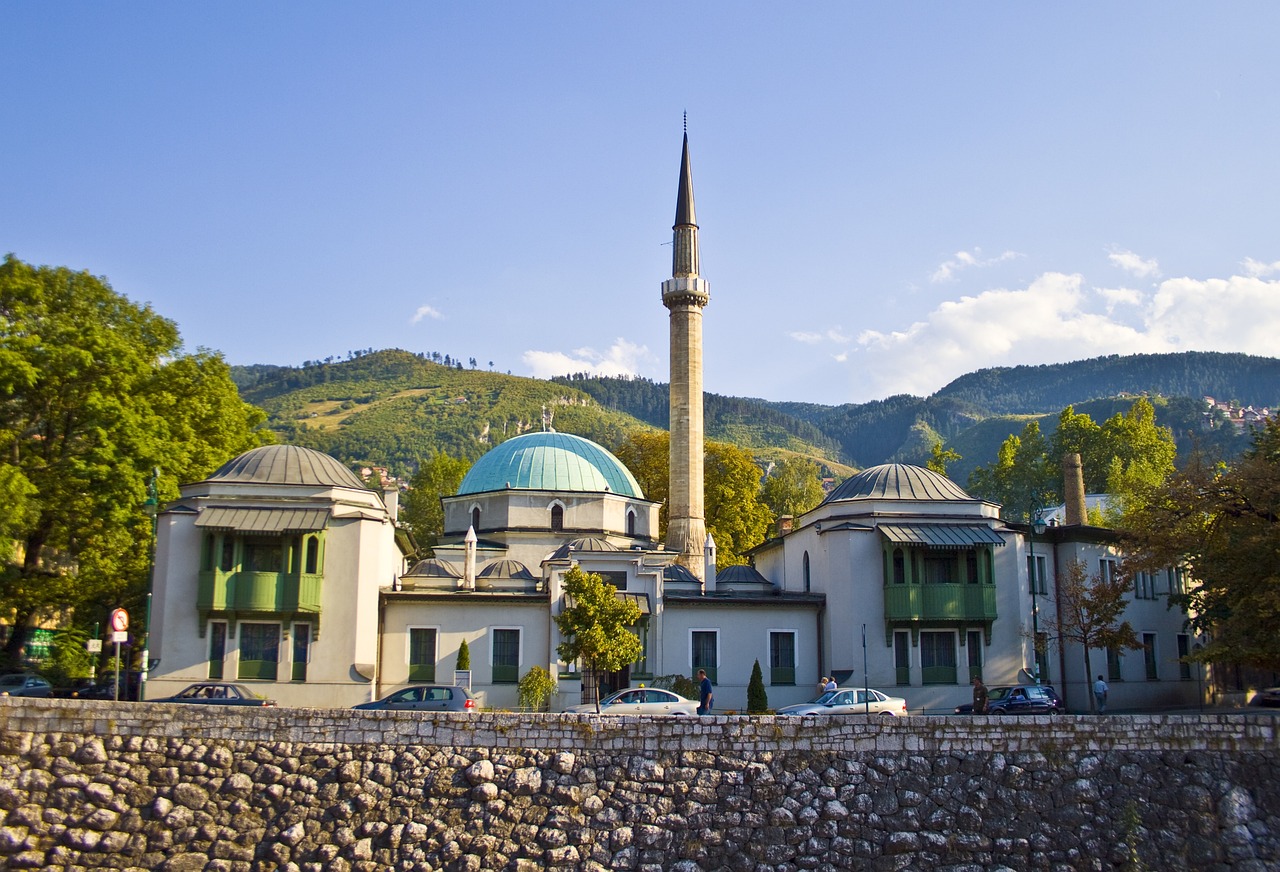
684, 294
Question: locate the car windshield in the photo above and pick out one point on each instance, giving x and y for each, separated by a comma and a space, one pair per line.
999, 693
825, 699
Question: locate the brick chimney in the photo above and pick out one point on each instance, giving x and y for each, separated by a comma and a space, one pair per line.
785, 524
1073, 490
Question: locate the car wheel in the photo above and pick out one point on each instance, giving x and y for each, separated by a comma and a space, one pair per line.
999, 711
889, 715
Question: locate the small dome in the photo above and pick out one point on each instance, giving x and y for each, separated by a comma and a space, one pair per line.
741, 574
506, 569
586, 543
898, 481
433, 568
553, 462
286, 464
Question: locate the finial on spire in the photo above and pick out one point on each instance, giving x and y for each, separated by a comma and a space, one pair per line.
686, 121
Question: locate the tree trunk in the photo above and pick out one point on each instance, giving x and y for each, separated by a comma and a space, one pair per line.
1088, 685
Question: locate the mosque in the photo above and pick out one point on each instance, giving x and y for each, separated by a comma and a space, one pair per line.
284, 572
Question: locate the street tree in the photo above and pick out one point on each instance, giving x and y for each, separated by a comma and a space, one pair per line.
595, 624
1221, 526
95, 394
1089, 610
422, 512
737, 519
794, 487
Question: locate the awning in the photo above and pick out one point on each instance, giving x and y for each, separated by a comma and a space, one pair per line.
244, 520
941, 535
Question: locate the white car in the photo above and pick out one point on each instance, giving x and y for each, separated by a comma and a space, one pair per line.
850, 702
641, 701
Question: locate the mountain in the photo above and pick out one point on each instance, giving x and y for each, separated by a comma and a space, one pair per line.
392, 408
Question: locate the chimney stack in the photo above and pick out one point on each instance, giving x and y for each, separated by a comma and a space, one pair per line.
1073, 490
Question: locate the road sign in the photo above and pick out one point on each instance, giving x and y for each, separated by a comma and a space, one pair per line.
119, 636
119, 620
95, 646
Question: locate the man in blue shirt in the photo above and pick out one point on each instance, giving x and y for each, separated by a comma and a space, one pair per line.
704, 693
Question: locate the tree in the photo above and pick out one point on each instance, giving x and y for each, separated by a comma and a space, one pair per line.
757, 698
1089, 610
1020, 479
647, 454
422, 512
595, 624
464, 656
736, 517
94, 395
1221, 527
793, 488
939, 457
535, 688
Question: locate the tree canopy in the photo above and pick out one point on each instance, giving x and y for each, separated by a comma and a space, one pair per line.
422, 512
95, 394
793, 487
1222, 526
595, 624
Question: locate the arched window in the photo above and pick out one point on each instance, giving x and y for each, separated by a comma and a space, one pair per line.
557, 519
631, 523
475, 519
899, 567
313, 555
806, 572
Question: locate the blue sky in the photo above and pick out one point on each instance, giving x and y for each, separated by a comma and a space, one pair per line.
890, 195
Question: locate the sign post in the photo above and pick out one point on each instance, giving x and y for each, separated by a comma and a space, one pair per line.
119, 633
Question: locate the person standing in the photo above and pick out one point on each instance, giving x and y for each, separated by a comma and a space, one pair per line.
1100, 691
822, 685
704, 693
979, 696
831, 686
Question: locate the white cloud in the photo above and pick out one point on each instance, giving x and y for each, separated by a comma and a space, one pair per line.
964, 260
806, 338
623, 358
833, 334
1057, 319
1134, 264
425, 312
1258, 269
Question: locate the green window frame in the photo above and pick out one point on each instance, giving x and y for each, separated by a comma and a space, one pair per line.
422, 653
505, 655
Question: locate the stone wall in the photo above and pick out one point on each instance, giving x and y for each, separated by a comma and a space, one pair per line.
127, 786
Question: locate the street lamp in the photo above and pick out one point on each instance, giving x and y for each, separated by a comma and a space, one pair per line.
1033, 574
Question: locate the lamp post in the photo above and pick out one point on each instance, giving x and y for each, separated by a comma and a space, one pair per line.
1033, 574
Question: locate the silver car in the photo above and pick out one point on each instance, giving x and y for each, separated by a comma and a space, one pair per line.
425, 698
864, 701
23, 684
642, 701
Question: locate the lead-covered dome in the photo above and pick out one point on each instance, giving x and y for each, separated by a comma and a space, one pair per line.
286, 464
552, 462
898, 481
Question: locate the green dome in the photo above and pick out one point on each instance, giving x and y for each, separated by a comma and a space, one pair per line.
552, 462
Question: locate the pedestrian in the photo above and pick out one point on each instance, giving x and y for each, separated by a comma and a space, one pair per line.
1100, 690
704, 693
831, 686
822, 685
979, 696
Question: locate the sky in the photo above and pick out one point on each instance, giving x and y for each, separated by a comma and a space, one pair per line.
889, 195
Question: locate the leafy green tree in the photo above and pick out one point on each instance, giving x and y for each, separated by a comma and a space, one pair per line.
757, 698
1089, 610
736, 517
939, 457
1222, 526
647, 453
1020, 479
464, 656
596, 625
536, 687
422, 512
793, 488
95, 394
678, 683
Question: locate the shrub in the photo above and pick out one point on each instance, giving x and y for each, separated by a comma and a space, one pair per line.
464, 656
757, 699
536, 687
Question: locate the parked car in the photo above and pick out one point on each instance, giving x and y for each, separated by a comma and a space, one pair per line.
863, 701
23, 684
641, 701
425, 698
1269, 697
1021, 699
217, 693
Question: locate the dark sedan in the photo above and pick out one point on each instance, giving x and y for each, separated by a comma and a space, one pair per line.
425, 698
218, 693
89, 690
1022, 699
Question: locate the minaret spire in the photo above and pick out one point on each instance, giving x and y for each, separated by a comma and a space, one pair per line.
685, 294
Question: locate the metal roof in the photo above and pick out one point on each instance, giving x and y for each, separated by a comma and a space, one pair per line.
898, 481
259, 520
941, 535
286, 464
506, 569
550, 461
434, 568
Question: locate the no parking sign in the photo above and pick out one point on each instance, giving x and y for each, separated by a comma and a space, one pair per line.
119, 626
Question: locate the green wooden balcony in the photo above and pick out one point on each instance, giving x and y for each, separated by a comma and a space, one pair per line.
258, 592
940, 602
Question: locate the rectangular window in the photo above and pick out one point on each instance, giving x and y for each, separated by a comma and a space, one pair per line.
617, 579
974, 647
422, 654
506, 655
1036, 574
640, 669
939, 570
228, 562
1149, 656
704, 651
1113, 664
1184, 651
1176, 581
1107, 569
259, 651
782, 657
902, 657
217, 648
971, 567
206, 552
938, 658
264, 555
301, 651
